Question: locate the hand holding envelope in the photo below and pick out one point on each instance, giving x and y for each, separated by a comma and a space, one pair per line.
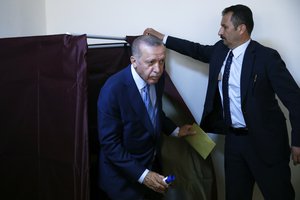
200, 141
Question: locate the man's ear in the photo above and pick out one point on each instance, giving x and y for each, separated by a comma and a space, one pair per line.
133, 61
242, 28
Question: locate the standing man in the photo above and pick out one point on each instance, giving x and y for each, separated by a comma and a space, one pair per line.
244, 79
130, 122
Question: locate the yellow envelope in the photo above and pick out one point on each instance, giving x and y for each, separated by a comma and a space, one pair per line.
201, 142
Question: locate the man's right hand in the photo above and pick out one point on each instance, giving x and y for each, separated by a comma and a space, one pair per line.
151, 31
155, 182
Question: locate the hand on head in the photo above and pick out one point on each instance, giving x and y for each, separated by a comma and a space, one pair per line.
151, 31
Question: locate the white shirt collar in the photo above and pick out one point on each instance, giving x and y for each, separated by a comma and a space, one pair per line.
140, 83
240, 49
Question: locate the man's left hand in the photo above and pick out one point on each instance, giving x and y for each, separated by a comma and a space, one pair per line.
296, 155
186, 130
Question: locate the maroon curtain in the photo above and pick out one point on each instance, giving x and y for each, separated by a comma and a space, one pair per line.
102, 61
43, 118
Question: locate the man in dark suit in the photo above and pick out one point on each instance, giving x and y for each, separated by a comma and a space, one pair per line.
129, 135
256, 143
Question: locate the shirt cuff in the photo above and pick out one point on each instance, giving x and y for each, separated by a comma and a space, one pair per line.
142, 177
175, 133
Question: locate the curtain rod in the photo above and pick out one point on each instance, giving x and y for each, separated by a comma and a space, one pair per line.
108, 45
90, 36
105, 37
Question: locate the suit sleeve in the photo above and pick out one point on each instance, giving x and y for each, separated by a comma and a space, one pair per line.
191, 49
288, 92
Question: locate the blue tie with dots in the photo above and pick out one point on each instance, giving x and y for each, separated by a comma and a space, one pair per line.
226, 105
150, 108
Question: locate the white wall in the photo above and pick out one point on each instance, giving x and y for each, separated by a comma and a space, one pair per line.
276, 25
22, 18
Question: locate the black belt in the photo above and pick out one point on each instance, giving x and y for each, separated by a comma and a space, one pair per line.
239, 131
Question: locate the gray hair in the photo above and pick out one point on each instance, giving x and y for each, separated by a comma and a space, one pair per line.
144, 39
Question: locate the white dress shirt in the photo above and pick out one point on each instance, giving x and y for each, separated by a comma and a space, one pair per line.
234, 85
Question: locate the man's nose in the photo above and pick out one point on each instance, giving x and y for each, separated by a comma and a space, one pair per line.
157, 67
220, 31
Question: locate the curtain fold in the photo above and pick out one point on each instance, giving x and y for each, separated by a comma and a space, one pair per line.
43, 117
102, 62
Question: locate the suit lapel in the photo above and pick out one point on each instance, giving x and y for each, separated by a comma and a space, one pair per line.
220, 61
215, 71
136, 102
247, 69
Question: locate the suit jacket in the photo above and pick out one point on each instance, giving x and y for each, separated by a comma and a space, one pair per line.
264, 75
127, 138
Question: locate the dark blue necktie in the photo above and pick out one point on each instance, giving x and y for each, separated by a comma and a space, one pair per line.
148, 103
226, 105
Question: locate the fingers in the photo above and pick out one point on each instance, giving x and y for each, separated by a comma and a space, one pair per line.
190, 130
155, 182
296, 155
296, 159
151, 31
147, 31
186, 130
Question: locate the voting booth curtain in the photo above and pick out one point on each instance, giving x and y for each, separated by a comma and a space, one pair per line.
48, 121
43, 118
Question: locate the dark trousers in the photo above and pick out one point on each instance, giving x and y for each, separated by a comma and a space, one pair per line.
244, 167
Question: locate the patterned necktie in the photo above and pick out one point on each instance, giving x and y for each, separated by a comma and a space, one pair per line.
226, 105
150, 108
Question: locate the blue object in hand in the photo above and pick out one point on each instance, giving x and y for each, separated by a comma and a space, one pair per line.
169, 179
